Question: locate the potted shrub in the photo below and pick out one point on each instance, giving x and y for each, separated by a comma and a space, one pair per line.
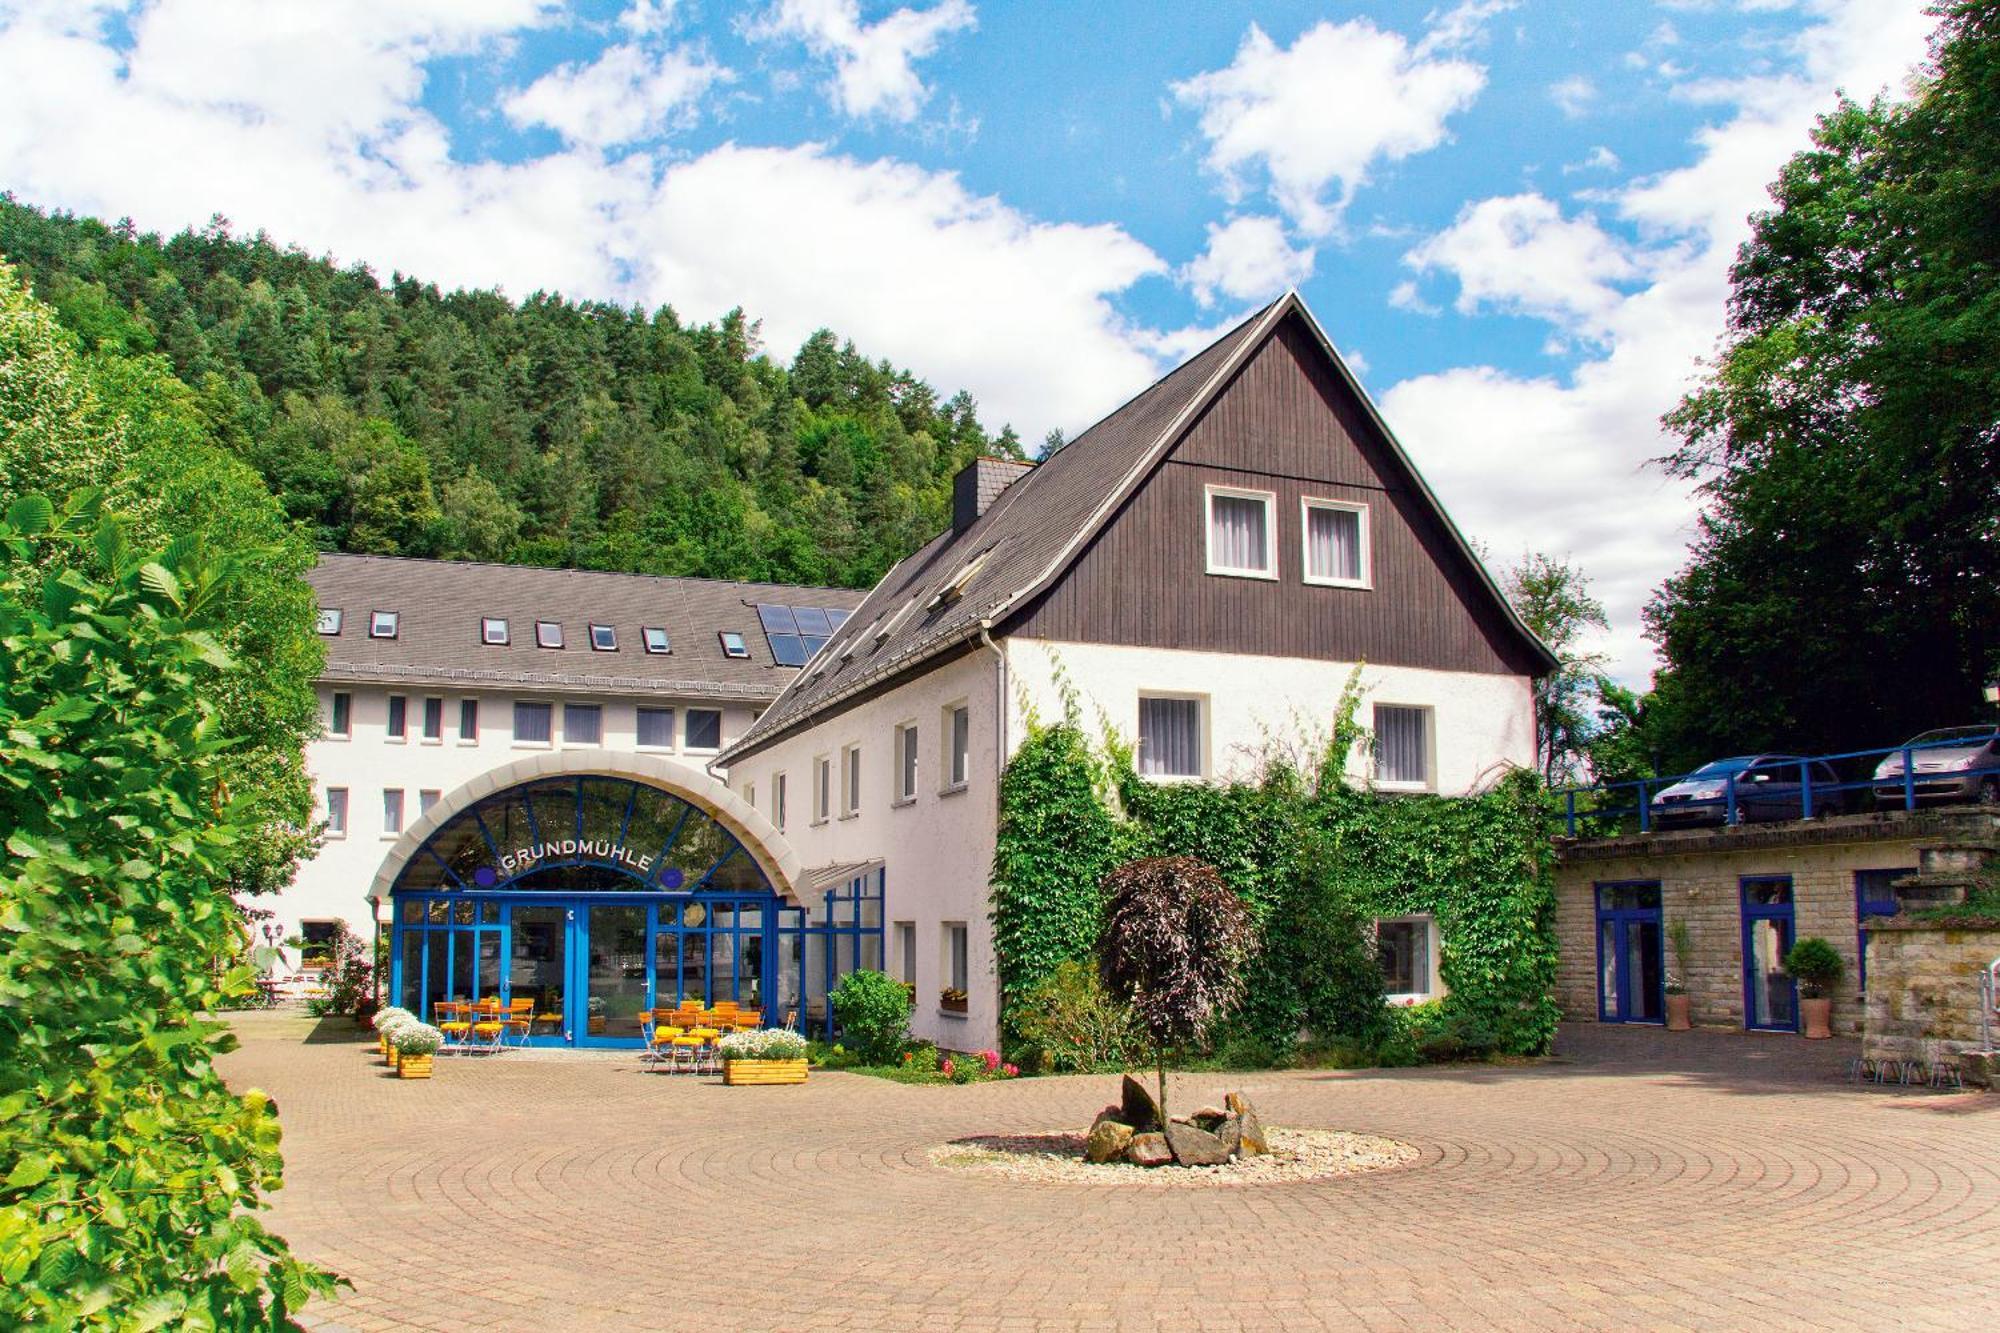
1680, 1009
386, 1021
767, 1056
1813, 963
416, 1045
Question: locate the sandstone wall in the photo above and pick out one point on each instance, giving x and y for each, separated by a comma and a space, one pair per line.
1923, 989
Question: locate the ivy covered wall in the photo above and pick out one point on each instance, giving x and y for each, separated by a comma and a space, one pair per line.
1316, 859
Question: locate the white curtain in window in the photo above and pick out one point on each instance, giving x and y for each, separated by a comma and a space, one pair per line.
583, 724
1333, 544
1170, 737
909, 764
656, 727
1402, 750
1239, 531
532, 722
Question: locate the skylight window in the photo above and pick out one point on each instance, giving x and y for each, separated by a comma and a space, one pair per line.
732, 644
603, 639
656, 639
493, 630
548, 634
329, 620
796, 633
382, 624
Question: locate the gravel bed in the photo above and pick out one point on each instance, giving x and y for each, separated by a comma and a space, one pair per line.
1056, 1157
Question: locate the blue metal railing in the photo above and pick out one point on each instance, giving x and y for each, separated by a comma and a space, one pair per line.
1603, 808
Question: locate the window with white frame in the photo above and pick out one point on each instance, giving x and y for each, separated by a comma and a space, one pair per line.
906, 952
493, 630
399, 717
1170, 737
656, 639
704, 729
336, 812
822, 789
603, 639
1336, 543
341, 723
750, 794
468, 721
1406, 949
392, 810
1242, 533
427, 798
548, 634
778, 801
656, 728
534, 724
583, 724
433, 719
850, 781
957, 969
906, 762
1402, 745
957, 746
383, 624
329, 620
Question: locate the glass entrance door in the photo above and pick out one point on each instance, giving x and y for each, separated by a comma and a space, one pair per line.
613, 954
1631, 957
538, 964
1770, 998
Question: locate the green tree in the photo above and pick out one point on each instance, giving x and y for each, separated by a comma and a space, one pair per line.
1844, 585
1553, 598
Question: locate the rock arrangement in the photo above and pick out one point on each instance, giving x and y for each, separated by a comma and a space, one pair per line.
1134, 1132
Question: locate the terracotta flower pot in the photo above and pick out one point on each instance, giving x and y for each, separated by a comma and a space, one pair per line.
1818, 1015
1680, 1011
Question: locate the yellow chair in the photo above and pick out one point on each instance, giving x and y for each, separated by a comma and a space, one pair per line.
707, 1053
686, 1047
749, 1019
519, 1016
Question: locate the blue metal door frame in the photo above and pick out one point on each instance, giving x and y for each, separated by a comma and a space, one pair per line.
1784, 916
1622, 921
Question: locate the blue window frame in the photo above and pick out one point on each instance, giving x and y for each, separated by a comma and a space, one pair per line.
1770, 998
1873, 897
1631, 953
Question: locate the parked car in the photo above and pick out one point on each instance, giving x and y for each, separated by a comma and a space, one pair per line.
1956, 764
1768, 786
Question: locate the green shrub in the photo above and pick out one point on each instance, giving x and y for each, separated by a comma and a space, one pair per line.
873, 1009
1074, 1024
1815, 965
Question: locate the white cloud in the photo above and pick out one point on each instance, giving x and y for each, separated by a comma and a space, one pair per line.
801, 236
1247, 259
1561, 463
1518, 254
1405, 296
874, 63
1464, 24
627, 93
1323, 113
1575, 95
1599, 158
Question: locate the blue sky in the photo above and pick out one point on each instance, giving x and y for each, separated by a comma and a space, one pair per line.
1514, 216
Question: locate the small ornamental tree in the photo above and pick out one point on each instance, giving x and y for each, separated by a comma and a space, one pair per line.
1173, 946
874, 1013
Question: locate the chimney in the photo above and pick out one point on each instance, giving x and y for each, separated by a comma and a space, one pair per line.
978, 484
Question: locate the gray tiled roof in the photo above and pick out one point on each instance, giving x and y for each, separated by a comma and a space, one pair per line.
1022, 536
441, 602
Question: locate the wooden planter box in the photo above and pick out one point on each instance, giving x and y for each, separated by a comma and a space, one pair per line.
391, 1054
759, 1073
414, 1066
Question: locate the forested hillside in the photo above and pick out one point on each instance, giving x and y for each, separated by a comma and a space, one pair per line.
400, 419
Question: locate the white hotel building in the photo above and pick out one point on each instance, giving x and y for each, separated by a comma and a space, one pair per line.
610, 791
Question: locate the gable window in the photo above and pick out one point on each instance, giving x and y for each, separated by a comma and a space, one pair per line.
468, 721
850, 782
1402, 746
778, 801
1242, 536
656, 728
732, 644
399, 717
392, 811
342, 722
583, 724
822, 789
383, 624
1170, 741
493, 630
656, 639
433, 719
906, 762
329, 620
533, 723
958, 743
1336, 536
1403, 948
336, 812
704, 729
603, 639
548, 634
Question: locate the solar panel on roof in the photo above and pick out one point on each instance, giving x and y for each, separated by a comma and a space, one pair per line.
835, 617
797, 632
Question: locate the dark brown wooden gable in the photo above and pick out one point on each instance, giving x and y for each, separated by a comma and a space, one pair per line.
1285, 424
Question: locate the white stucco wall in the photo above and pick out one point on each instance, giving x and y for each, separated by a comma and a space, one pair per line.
936, 850
1481, 723
333, 885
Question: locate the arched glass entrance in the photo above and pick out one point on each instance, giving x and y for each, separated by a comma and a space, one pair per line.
598, 897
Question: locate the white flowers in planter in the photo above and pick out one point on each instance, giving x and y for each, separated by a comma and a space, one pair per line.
390, 1017
414, 1038
764, 1044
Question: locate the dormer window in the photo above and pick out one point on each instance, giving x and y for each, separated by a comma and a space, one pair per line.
329, 620
656, 639
603, 639
548, 634
733, 644
493, 630
383, 624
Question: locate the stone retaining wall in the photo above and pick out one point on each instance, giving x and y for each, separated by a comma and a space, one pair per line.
1923, 988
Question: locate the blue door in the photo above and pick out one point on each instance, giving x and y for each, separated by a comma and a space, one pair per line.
1770, 998
1873, 897
1631, 956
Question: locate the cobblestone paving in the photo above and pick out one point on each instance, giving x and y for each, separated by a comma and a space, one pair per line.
1704, 1180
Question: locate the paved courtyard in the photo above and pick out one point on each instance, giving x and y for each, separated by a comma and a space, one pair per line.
1688, 1181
